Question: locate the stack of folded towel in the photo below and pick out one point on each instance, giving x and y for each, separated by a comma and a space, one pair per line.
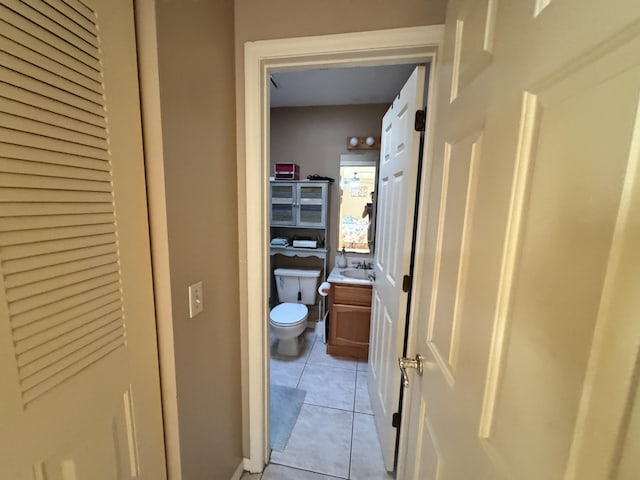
279, 242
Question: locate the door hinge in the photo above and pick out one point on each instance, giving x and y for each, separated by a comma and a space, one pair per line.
407, 281
395, 420
421, 120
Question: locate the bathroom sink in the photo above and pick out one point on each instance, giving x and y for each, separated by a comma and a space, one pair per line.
357, 273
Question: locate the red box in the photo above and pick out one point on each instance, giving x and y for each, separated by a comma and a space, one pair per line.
287, 171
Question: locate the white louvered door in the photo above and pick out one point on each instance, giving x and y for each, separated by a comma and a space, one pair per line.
79, 397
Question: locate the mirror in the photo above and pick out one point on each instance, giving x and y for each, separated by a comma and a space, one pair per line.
357, 212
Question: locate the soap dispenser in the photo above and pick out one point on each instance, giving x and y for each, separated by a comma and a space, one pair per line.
342, 259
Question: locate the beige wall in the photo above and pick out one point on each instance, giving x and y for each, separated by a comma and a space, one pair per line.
315, 137
195, 47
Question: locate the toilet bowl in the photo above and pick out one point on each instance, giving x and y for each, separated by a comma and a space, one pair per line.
288, 321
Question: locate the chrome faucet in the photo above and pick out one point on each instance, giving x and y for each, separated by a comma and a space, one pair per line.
363, 265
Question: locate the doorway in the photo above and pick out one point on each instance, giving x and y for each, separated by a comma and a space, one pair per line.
412, 45
321, 419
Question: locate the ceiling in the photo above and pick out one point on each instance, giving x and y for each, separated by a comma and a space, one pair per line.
338, 86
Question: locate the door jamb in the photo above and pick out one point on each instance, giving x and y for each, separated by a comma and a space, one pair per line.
393, 46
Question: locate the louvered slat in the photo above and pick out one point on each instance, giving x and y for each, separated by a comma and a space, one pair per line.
55, 271
40, 300
39, 86
43, 155
73, 15
45, 170
56, 284
17, 137
56, 42
12, 224
13, 180
63, 134
43, 261
47, 18
76, 82
51, 346
83, 9
12, 31
24, 67
37, 333
43, 369
35, 209
47, 117
48, 108
55, 312
24, 251
33, 392
52, 196
41, 235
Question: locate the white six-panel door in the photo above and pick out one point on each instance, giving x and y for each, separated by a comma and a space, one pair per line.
395, 210
528, 316
79, 397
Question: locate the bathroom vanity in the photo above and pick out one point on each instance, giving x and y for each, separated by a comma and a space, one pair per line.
349, 314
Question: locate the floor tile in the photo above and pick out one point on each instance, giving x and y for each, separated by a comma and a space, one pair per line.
366, 456
319, 356
281, 472
320, 442
363, 366
363, 401
328, 386
285, 373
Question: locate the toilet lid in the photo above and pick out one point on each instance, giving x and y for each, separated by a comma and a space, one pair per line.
288, 314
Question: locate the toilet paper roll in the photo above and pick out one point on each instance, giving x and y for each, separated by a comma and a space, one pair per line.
324, 289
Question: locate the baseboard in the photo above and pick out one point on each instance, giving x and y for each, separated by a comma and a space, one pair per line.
239, 471
250, 467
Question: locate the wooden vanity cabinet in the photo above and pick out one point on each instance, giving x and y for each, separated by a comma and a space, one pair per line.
349, 320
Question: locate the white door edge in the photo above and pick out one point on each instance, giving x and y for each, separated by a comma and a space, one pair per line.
421, 231
409, 45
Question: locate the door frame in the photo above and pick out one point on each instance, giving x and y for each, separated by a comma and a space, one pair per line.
393, 46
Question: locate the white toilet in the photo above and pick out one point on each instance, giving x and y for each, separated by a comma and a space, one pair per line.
296, 289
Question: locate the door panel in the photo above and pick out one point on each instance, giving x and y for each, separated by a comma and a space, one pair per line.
396, 193
573, 201
80, 394
457, 198
530, 347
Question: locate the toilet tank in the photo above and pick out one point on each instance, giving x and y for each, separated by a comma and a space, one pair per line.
290, 281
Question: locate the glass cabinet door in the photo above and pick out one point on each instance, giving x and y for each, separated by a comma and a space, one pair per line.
283, 211
312, 206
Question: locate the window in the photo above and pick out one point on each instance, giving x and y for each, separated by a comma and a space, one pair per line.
358, 177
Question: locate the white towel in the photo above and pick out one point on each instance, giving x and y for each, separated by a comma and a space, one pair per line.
324, 289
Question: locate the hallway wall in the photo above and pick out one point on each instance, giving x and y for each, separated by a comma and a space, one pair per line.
192, 163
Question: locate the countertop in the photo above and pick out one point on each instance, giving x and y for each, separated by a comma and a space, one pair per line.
336, 276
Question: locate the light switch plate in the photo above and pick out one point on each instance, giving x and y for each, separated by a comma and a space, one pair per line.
196, 300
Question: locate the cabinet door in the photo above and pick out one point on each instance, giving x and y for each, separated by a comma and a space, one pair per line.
349, 330
312, 205
283, 211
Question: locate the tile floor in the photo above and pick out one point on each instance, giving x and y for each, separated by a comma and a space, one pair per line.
335, 435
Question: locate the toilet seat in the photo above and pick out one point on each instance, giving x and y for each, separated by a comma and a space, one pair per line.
288, 314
